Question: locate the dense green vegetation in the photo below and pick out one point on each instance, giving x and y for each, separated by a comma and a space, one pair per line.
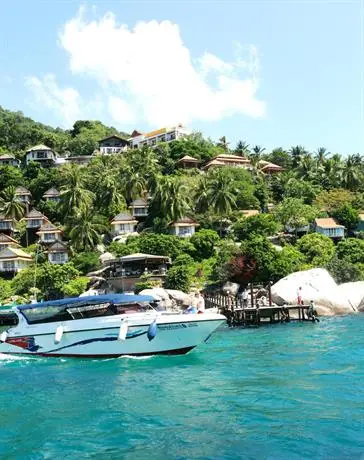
227, 245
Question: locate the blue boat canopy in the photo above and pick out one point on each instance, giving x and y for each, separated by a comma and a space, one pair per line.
94, 299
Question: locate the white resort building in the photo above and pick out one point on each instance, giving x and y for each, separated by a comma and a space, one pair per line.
169, 134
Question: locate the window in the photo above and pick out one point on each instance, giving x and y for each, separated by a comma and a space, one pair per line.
122, 228
185, 231
49, 236
9, 265
140, 211
58, 257
79, 310
4, 225
42, 155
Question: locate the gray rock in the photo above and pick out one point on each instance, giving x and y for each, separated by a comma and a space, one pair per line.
317, 285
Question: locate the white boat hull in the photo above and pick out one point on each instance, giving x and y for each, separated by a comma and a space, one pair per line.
176, 334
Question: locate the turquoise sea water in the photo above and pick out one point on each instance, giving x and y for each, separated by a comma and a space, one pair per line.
278, 392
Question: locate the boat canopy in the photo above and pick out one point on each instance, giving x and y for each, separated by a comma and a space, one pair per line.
93, 299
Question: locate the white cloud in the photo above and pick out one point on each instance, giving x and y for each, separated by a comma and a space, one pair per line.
64, 101
147, 74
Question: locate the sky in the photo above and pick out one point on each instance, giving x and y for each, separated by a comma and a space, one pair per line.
270, 73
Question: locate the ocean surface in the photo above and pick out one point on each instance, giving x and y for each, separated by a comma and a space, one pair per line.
278, 392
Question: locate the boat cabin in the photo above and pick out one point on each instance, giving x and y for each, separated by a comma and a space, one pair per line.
85, 308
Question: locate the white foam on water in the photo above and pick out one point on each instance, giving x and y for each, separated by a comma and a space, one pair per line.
5, 357
140, 358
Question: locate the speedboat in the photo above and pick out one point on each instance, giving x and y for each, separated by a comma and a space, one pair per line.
104, 326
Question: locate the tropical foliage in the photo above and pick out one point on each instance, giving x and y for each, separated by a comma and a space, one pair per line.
227, 245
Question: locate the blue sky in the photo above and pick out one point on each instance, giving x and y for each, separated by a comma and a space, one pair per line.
273, 73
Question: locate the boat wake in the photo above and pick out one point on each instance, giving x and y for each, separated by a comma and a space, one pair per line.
4, 358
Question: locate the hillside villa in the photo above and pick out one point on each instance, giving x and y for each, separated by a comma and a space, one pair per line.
113, 144
41, 154
6, 159
6, 241
14, 259
7, 224
35, 219
23, 195
57, 253
329, 227
184, 227
187, 162
52, 195
139, 208
123, 224
49, 233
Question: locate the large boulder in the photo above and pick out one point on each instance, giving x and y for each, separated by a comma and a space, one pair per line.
161, 295
354, 292
180, 297
317, 285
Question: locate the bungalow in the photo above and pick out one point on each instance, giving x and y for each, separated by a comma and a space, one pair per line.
152, 138
6, 241
58, 253
187, 162
228, 160
41, 154
13, 260
23, 195
328, 226
269, 168
52, 195
139, 208
35, 219
9, 160
49, 233
113, 144
184, 227
7, 224
123, 224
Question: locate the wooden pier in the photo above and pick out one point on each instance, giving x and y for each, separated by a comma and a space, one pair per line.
252, 313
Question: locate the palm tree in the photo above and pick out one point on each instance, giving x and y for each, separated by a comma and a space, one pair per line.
74, 195
321, 155
202, 196
223, 143
172, 198
85, 229
220, 193
133, 183
297, 153
350, 173
109, 193
10, 204
242, 148
306, 167
258, 150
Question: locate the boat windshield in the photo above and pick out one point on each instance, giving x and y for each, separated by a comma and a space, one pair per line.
69, 312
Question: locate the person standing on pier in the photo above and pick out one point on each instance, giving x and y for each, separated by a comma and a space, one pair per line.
244, 297
299, 296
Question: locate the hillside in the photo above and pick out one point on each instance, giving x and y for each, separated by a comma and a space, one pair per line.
18, 132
